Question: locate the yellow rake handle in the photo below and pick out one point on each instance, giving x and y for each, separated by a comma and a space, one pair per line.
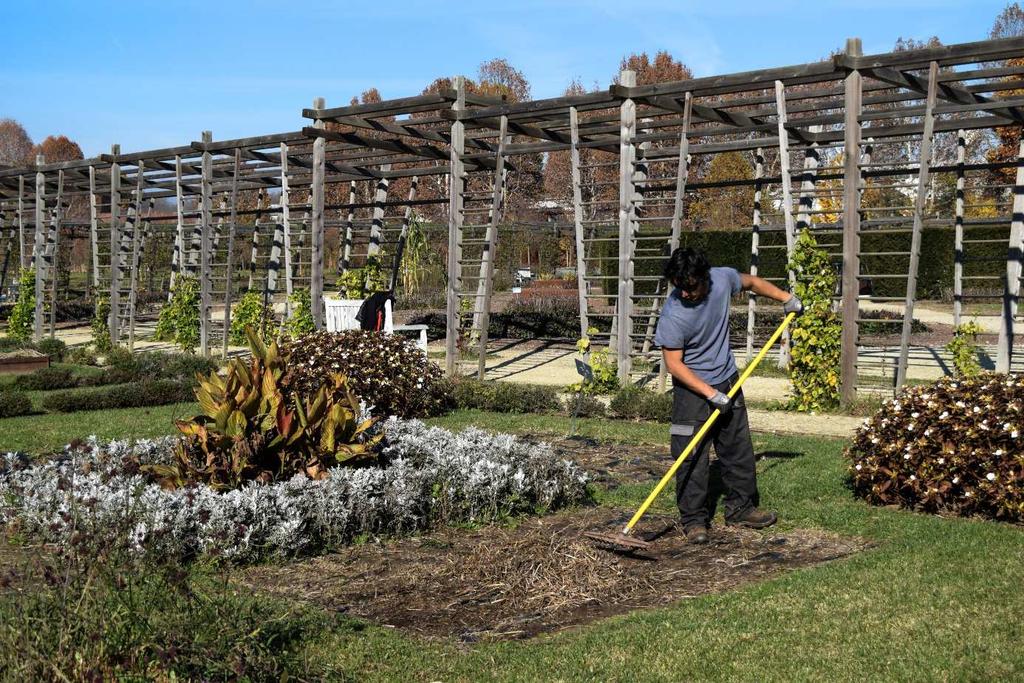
707, 425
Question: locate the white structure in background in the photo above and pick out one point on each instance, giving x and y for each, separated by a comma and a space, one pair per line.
341, 315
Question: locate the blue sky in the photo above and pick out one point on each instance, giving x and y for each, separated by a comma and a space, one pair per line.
154, 74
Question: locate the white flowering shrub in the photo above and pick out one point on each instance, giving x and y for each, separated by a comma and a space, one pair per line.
428, 476
952, 446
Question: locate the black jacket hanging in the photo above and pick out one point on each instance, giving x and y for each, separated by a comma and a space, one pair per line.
371, 313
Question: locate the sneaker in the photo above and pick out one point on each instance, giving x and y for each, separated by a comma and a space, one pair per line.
698, 535
754, 519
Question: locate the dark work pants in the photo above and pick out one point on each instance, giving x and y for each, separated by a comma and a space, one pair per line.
731, 437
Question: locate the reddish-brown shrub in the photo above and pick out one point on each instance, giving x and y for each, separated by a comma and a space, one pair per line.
952, 446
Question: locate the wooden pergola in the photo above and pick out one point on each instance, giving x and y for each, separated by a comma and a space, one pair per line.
821, 135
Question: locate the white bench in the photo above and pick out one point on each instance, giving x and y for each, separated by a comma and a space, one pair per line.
341, 315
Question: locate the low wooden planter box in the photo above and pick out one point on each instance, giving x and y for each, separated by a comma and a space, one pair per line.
21, 362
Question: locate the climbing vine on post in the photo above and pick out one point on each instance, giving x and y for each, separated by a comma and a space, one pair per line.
964, 348
815, 358
19, 325
101, 327
179, 319
300, 322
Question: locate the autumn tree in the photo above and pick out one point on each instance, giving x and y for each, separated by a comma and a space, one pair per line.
723, 208
56, 148
1009, 24
15, 144
664, 67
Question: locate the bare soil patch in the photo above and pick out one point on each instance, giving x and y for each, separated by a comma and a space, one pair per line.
538, 577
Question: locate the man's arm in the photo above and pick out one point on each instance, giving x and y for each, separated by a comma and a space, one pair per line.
761, 287
673, 359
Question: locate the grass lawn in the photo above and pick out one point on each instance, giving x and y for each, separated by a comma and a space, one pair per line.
934, 599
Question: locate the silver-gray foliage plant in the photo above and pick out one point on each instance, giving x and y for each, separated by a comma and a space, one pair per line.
431, 476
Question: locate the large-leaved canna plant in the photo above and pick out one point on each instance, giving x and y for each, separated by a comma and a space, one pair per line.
255, 427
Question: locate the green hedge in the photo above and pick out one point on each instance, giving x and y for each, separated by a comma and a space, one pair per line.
14, 403
505, 397
134, 395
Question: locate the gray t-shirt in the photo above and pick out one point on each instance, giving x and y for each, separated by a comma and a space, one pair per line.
702, 330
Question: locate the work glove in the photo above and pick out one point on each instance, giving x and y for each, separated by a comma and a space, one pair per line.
720, 401
793, 305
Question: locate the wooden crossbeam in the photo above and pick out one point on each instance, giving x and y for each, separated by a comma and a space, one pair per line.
947, 91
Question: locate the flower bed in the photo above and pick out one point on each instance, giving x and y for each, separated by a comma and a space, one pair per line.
429, 476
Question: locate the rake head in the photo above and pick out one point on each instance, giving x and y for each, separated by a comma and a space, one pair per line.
617, 541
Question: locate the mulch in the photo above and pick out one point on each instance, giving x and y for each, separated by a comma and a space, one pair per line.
537, 577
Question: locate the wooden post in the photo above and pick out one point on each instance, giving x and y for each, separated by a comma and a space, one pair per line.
39, 249
22, 249
316, 285
254, 255
178, 259
851, 226
276, 247
627, 227
404, 235
755, 242
919, 206
1004, 352
94, 229
958, 225
805, 199
486, 279
136, 245
286, 229
787, 206
678, 211
115, 246
456, 188
229, 271
205, 226
380, 196
53, 258
346, 248
577, 214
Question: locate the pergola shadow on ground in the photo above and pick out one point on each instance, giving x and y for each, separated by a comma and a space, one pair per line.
845, 148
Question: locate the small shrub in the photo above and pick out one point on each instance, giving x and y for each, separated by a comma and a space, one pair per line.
8, 344
964, 348
179, 318
47, 379
22, 321
134, 395
300, 321
889, 322
584, 406
633, 403
14, 403
250, 312
606, 379
125, 366
80, 355
505, 397
816, 335
387, 371
54, 348
952, 446
359, 283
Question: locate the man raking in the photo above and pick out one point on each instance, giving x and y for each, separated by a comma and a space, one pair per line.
693, 333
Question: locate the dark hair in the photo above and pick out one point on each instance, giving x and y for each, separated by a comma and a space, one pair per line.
687, 266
